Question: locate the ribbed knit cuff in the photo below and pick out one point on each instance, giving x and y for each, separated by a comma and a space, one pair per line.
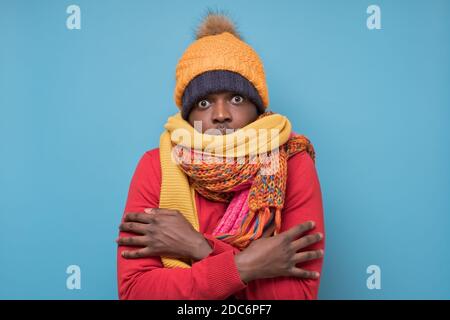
218, 246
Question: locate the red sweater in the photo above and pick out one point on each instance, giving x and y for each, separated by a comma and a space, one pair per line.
216, 276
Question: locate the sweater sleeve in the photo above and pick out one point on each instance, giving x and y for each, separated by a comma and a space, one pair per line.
219, 246
214, 277
303, 202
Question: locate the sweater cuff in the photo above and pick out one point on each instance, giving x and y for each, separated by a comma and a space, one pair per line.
221, 275
218, 246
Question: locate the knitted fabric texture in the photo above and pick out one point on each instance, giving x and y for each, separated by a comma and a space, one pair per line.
220, 52
254, 190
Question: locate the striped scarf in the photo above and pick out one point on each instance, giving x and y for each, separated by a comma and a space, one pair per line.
252, 181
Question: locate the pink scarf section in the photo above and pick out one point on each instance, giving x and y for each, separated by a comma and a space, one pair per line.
236, 211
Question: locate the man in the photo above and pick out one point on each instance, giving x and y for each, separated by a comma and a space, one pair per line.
218, 230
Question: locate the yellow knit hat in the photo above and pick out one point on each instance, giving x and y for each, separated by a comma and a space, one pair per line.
219, 47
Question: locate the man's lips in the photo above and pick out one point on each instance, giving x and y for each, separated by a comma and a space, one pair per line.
224, 129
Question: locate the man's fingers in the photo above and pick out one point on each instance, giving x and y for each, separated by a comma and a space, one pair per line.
304, 274
306, 241
133, 227
140, 241
308, 255
299, 229
136, 254
160, 211
138, 217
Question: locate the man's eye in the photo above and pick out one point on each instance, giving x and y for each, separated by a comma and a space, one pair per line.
203, 104
237, 99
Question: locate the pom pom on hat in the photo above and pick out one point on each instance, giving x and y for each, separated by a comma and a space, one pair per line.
216, 23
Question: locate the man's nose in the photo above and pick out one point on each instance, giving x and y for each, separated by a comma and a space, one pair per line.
221, 112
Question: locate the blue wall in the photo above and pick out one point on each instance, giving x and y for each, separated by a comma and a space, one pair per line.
79, 108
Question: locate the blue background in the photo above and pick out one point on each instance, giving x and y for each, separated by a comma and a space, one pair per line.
80, 107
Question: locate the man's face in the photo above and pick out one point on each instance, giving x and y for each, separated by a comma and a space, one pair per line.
225, 111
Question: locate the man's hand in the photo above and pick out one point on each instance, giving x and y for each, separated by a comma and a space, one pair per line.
162, 232
276, 256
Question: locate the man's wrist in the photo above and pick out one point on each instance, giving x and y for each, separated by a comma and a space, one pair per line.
202, 249
246, 270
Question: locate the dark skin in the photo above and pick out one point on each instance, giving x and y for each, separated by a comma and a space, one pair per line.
162, 232
165, 232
